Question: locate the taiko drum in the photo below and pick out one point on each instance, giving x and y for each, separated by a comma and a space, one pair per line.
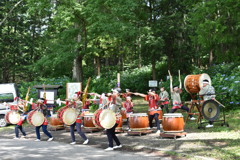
88, 121
173, 122
55, 121
193, 83
138, 121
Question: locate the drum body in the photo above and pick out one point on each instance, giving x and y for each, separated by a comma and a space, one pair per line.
104, 118
193, 83
55, 121
173, 122
138, 121
159, 111
120, 122
35, 118
67, 115
124, 113
88, 121
12, 117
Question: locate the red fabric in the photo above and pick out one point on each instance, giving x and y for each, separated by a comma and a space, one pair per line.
86, 105
152, 101
20, 122
110, 98
176, 105
45, 121
45, 101
12, 107
128, 105
79, 119
100, 101
125, 95
114, 99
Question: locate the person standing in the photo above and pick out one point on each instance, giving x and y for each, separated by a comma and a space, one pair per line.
76, 103
208, 92
41, 106
164, 99
115, 102
175, 95
152, 99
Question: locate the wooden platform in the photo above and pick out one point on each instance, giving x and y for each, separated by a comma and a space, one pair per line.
139, 132
55, 128
90, 130
172, 134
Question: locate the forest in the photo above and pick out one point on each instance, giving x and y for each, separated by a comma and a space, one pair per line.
59, 41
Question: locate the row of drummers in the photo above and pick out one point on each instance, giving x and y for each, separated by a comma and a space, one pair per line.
102, 118
123, 111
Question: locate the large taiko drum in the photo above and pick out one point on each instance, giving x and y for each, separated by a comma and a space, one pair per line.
88, 121
104, 118
120, 122
67, 115
138, 121
193, 83
12, 117
35, 118
173, 122
55, 121
159, 111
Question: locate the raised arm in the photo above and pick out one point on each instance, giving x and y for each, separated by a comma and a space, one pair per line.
171, 80
179, 78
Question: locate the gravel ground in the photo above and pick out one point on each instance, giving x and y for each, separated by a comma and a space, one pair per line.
149, 144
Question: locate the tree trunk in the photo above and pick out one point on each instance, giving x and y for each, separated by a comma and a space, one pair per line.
211, 57
98, 67
77, 62
77, 69
153, 69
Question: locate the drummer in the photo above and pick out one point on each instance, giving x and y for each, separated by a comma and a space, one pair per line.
43, 108
128, 105
76, 103
19, 126
175, 95
115, 103
152, 99
164, 99
102, 99
127, 94
208, 92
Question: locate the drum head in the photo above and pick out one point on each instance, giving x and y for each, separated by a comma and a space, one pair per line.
107, 119
69, 116
173, 115
37, 118
14, 117
210, 110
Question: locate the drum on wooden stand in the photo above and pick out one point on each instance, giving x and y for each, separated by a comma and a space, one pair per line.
12, 117
88, 121
120, 121
124, 113
159, 111
104, 118
173, 122
67, 115
35, 118
193, 83
138, 121
55, 121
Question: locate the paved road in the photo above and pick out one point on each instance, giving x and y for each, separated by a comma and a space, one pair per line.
31, 150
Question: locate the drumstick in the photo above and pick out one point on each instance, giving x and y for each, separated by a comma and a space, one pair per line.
219, 103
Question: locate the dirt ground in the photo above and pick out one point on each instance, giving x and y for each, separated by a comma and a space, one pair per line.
185, 147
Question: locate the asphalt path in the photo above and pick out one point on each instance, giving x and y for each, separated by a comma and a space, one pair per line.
24, 149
